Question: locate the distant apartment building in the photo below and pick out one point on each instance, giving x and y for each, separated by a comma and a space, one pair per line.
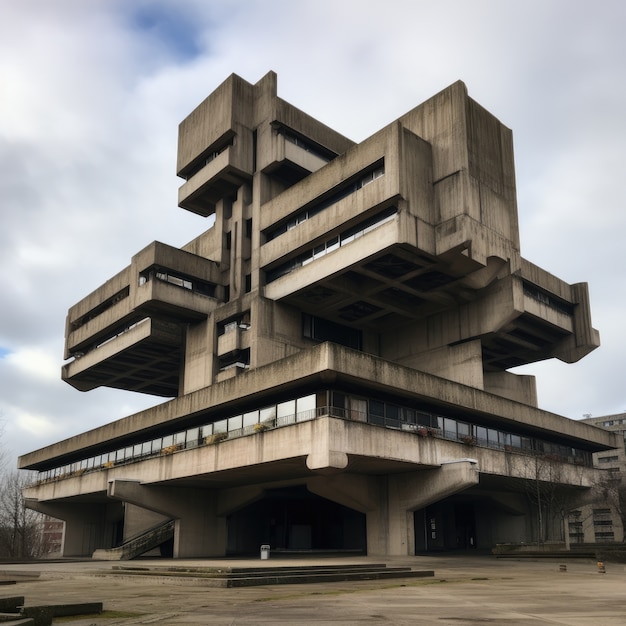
52, 537
601, 522
335, 347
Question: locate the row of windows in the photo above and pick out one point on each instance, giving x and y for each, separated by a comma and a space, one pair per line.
207, 157
308, 213
308, 146
332, 244
397, 416
614, 422
336, 404
548, 299
101, 308
174, 278
281, 414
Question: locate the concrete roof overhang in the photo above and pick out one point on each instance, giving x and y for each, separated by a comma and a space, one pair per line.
326, 365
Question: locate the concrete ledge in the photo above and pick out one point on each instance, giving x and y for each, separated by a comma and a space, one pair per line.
257, 576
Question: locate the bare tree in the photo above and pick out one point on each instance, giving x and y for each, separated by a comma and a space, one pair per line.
551, 497
20, 528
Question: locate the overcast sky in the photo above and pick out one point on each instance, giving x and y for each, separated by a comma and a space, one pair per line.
91, 94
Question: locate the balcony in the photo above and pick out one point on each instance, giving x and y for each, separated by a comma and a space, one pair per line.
144, 357
219, 178
133, 323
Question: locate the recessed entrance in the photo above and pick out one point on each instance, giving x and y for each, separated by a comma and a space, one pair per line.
293, 520
446, 525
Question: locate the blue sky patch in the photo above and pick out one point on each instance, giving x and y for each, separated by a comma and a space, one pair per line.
171, 25
4, 351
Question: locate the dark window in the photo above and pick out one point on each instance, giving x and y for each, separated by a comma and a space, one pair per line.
320, 329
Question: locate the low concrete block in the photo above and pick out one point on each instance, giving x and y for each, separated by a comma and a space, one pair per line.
84, 608
11, 604
41, 615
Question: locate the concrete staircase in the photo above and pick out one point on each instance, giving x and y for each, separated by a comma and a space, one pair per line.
278, 575
137, 545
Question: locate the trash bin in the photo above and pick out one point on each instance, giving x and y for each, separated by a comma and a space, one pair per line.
265, 552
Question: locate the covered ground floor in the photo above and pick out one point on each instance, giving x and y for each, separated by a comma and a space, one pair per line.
454, 507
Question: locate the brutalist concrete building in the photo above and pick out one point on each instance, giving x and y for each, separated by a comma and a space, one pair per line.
335, 347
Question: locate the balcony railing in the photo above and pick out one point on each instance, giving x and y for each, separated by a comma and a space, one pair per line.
228, 429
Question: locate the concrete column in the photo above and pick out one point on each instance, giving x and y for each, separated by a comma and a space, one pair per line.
88, 526
199, 531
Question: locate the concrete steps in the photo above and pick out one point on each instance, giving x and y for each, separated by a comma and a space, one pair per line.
272, 575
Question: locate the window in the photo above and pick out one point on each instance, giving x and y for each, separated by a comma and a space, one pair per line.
238, 358
330, 245
319, 329
250, 418
359, 182
174, 278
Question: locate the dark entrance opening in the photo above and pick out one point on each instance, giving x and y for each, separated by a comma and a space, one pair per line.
294, 520
446, 525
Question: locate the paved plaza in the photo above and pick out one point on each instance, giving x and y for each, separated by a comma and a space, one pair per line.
465, 590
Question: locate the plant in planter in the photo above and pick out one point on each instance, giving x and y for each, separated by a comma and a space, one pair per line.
260, 427
469, 440
216, 438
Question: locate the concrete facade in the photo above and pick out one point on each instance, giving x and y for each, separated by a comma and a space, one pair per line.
336, 347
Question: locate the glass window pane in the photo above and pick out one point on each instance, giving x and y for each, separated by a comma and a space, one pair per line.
220, 427
393, 412
377, 408
168, 440
193, 434
449, 427
463, 429
306, 404
286, 408
267, 414
250, 418
235, 422
358, 409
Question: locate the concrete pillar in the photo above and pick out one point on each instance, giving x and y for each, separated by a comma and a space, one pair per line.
88, 526
199, 531
407, 493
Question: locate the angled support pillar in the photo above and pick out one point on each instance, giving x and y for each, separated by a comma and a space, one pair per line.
199, 531
406, 493
391, 501
88, 526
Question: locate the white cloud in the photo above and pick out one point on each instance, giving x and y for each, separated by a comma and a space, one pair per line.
36, 363
92, 94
